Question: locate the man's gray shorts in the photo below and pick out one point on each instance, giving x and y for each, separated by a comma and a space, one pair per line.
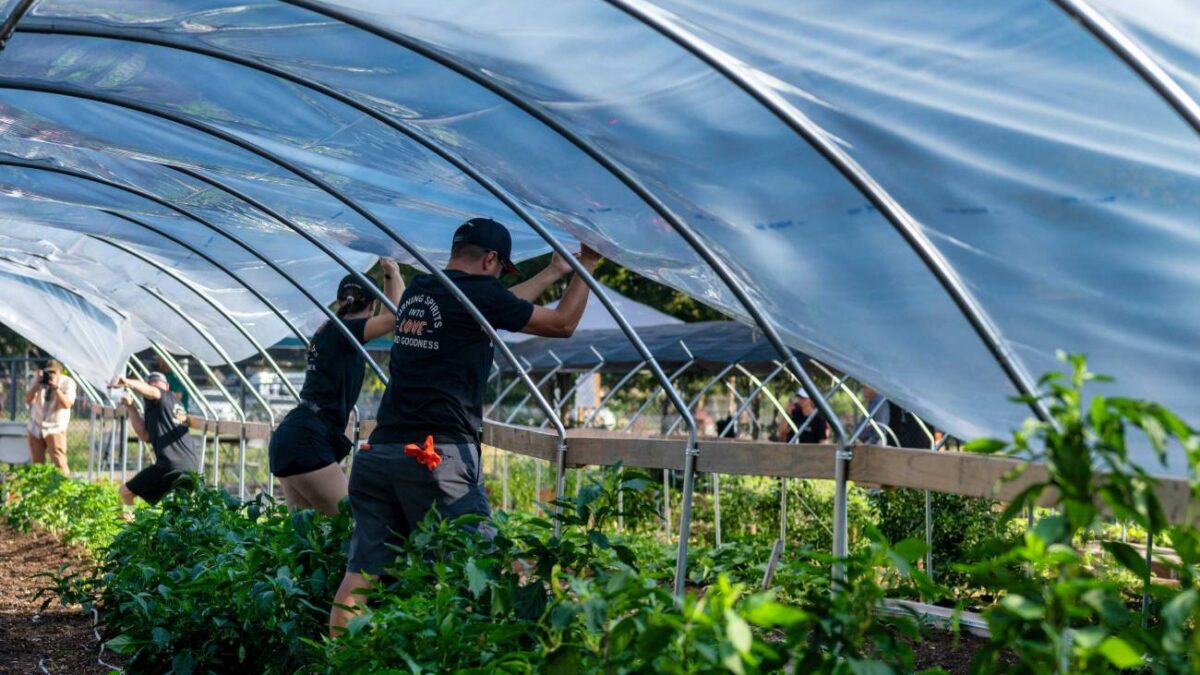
390, 494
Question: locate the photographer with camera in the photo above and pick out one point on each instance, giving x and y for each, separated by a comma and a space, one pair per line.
50, 396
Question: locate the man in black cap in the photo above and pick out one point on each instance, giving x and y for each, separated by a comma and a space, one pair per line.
424, 451
165, 428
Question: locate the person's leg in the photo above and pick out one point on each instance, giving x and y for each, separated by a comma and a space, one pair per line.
378, 524
323, 489
127, 498
56, 451
37, 448
293, 497
348, 602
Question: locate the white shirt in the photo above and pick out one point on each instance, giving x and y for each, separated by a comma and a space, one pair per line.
46, 416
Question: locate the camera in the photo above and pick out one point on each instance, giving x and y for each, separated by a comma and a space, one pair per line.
46, 377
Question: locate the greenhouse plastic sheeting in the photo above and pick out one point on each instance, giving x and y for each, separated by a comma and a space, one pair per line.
1058, 186
708, 345
85, 337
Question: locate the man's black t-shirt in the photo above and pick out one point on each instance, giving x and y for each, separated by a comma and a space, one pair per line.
335, 372
816, 431
441, 357
166, 424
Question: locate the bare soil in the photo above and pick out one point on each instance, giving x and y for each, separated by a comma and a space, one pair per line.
57, 640
941, 649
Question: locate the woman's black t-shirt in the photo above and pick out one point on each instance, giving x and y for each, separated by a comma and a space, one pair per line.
440, 358
334, 376
167, 426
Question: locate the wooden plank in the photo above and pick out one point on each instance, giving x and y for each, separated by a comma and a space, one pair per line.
952, 472
527, 441
947, 472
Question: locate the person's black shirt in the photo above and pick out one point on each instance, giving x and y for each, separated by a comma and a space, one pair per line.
815, 432
334, 376
441, 357
166, 424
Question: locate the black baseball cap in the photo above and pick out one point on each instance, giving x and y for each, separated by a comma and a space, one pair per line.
489, 235
350, 284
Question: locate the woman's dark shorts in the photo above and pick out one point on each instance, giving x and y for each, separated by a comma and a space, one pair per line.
305, 442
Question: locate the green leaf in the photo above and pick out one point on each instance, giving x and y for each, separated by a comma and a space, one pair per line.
563, 661
183, 663
1023, 607
985, 445
771, 614
1176, 612
122, 644
867, 667
910, 549
1119, 653
1128, 557
161, 637
739, 632
477, 578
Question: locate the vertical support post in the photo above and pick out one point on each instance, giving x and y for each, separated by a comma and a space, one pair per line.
112, 448
13, 385
242, 467
91, 439
1150, 574
716, 495
123, 421
505, 500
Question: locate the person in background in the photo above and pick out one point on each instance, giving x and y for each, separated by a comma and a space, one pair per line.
817, 431
424, 451
50, 396
306, 449
165, 428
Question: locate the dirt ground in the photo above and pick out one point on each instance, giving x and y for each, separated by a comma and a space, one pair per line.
941, 649
58, 640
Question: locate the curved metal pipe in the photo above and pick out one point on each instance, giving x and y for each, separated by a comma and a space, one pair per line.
813, 416
1128, 50
712, 382
237, 411
437, 272
854, 399
200, 253
578, 381
670, 381
613, 392
200, 293
657, 205
750, 398
205, 223
10, 22
86, 30
536, 387
502, 195
527, 367
288, 223
902, 221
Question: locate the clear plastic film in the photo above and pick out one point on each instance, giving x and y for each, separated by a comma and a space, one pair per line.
1060, 188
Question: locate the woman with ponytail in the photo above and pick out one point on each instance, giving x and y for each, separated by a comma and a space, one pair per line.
307, 447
